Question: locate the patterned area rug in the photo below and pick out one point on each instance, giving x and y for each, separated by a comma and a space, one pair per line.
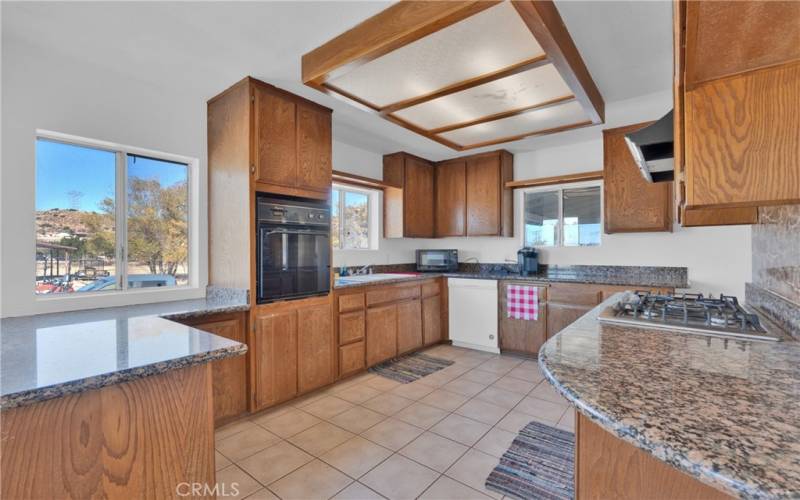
538, 465
409, 368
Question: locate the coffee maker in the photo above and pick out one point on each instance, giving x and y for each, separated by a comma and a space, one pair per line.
528, 260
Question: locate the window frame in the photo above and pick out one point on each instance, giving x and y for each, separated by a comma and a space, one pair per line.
196, 278
560, 188
372, 209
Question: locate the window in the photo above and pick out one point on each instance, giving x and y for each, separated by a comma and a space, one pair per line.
352, 218
567, 217
109, 218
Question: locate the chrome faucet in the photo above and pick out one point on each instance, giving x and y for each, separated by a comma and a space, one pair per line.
364, 270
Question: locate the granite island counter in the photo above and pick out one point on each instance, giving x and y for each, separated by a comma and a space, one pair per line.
110, 402
724, 412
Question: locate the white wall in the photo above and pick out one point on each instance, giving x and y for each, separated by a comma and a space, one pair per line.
44, 90
718, 258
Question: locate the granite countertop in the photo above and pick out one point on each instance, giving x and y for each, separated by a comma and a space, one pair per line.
606, 275
724, 411
50, 355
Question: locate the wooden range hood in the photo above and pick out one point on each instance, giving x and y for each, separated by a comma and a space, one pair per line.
466, 74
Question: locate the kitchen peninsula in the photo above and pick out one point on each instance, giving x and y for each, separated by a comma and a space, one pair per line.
725, 412
110, 402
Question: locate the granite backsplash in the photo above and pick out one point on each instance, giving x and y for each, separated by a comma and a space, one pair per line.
776, 266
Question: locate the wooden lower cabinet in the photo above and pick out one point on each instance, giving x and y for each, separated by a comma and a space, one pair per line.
409, 326
519, 335
560, 316
608, 467
432, 320
275, 358
381, 334
315, 347
351, 327
351, 358
229, 376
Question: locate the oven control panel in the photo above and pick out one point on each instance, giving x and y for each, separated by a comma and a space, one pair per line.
293, 214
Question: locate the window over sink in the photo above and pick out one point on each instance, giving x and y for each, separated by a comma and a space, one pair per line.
563, 216
353, 218
111, 218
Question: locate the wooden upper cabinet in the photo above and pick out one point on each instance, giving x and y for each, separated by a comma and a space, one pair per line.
631, 203
409, 204
418, 198
489, 202
313, 148
737, 108
292, 142
315, 347
276, 139
451, 198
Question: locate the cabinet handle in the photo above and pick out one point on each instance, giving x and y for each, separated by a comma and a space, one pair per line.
252, 169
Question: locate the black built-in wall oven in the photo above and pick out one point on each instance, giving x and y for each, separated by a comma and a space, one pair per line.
293, 253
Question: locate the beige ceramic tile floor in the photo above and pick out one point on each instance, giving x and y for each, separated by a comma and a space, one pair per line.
370, 437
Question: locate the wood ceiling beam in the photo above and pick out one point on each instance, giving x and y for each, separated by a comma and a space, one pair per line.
517, 137
505, 114
514, 69
399, 25
546, 25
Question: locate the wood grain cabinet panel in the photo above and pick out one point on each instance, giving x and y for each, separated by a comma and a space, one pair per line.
742, 144
313, 148
351, 327
315, 347
432, 319
351, 358
409, 326
430, 288
351, 302
519, 335
418, 199
489, 202
451, 198
275, 358
229, 375
631, 203
560, 316
381, 334
393, 293
276, 137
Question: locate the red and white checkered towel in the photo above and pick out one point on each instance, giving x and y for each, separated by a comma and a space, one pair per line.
523, 302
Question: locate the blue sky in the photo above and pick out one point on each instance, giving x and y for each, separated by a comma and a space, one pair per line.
65, 168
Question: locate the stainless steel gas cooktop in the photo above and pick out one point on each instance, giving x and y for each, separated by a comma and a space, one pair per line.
689, 312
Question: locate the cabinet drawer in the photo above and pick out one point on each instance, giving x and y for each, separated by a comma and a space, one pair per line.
430, 288
351, 302
392, 294
351, 327
351, 358
575, 294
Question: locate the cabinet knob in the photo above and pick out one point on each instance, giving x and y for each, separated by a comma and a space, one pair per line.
252, 169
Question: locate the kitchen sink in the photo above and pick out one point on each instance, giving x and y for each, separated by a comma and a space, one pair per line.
371, 278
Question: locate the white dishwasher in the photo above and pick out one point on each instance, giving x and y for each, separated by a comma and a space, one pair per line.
472, 315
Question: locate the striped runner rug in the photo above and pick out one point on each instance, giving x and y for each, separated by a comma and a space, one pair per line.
538, 465
411, 367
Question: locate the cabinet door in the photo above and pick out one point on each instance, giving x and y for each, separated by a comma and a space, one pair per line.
315, 347
418, 199
432, 319
409, 326
275, 136
229, 375
381, 333
351, 327
313, 148
351, 358
631, 203
560, 316
451, 198
522, 335
483, 196
275, 355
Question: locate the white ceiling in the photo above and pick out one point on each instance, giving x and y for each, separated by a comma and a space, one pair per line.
204, 47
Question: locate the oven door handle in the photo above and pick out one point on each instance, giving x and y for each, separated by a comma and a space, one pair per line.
297, 231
